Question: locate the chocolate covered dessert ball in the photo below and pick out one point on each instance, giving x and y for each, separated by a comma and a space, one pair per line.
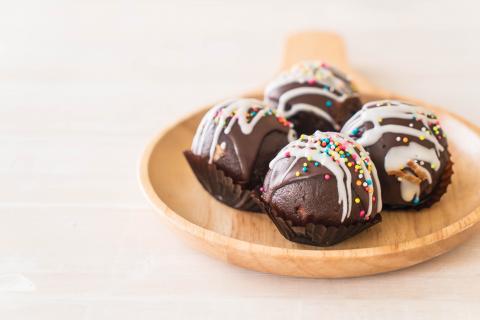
313, 96
322, 189
233, 145
409, 148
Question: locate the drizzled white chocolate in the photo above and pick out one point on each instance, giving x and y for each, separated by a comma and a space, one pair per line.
223, 116
398, 157
328, 82
341, 156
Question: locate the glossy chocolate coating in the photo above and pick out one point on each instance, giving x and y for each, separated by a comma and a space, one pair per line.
313, 195
244, 157
390, 181
335, 98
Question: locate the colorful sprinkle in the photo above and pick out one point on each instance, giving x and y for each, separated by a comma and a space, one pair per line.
327, 177
357, 200
328, 103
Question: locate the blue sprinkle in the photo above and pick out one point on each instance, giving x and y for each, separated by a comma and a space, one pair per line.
355, 131
369, 181
416, 201
304, 169
328, 103
316, 164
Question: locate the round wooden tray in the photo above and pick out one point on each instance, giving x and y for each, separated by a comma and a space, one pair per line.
251, 241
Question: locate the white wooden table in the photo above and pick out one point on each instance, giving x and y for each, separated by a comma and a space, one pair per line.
85, 84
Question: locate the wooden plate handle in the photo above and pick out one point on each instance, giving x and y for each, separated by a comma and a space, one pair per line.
330, 48
326, 46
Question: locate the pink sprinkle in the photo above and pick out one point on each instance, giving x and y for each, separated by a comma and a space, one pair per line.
327, 177
374, 199
362, 213
354, 156
311, 81
261, 189
287, 154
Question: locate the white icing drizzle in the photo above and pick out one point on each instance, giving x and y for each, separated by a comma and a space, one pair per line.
309, 147
376, 111
296, 108
336, 86
397, 158
217, 117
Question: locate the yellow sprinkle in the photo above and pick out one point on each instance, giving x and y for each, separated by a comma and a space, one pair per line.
361, 171
422, 138
349, 164
297, 173
357, 200
305, 164
380, 120
433, 166
309, 158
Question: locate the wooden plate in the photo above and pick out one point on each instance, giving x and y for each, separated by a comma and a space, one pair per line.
251, 241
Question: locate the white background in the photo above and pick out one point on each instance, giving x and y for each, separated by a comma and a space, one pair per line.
85, 84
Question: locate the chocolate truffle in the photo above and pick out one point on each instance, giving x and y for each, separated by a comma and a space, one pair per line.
313, 96
322, 189
409, 148
232, 147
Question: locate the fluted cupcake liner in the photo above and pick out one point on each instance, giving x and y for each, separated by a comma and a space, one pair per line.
219, 185
437, 193
314, 234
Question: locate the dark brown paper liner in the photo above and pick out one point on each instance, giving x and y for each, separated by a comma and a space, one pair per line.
314, 234
437, 193
222, 187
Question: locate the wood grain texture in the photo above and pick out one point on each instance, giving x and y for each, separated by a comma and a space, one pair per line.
403, 239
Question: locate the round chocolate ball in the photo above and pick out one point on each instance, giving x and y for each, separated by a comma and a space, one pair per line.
240, 137
409, 148
313, 96
322, 189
